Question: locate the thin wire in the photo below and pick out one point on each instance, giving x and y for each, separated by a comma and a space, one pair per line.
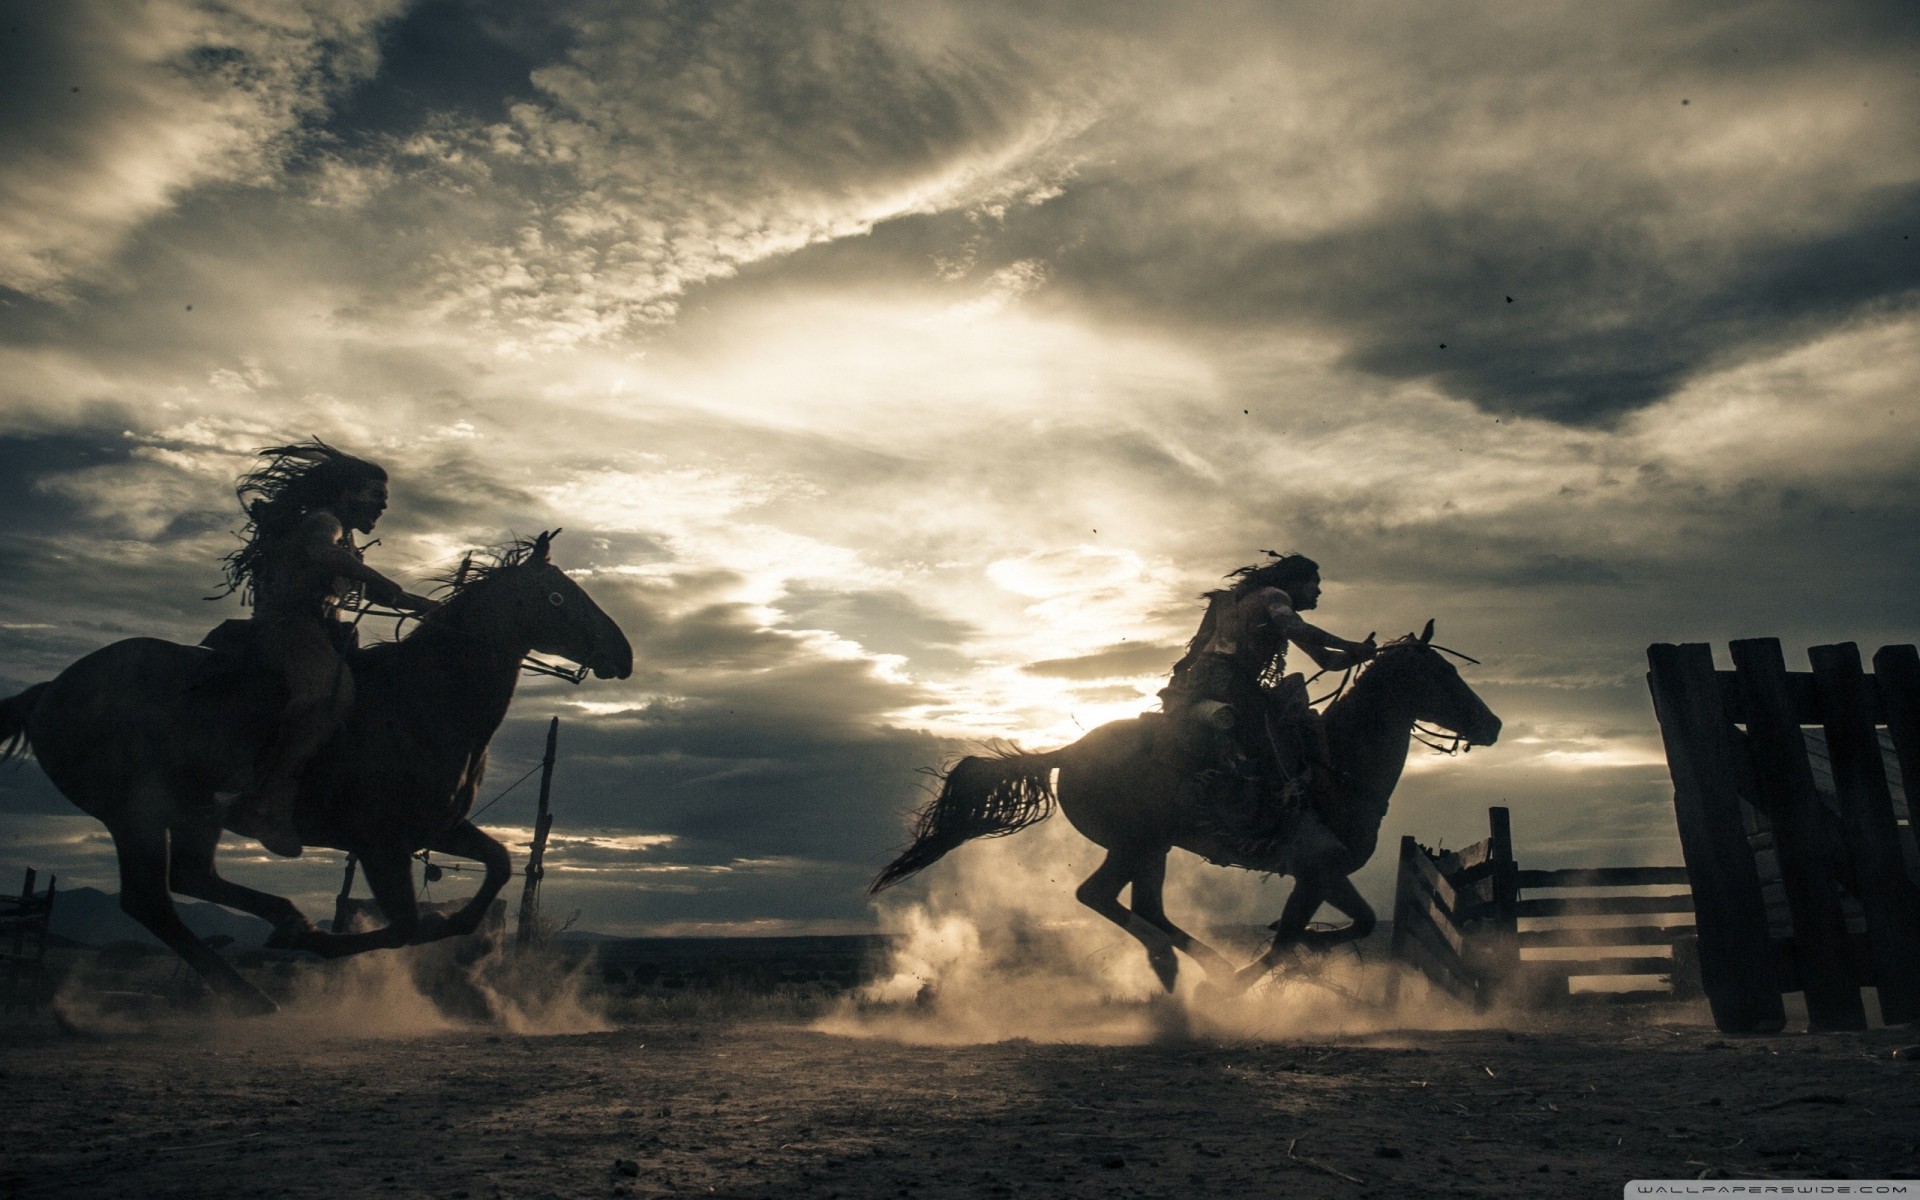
516, 783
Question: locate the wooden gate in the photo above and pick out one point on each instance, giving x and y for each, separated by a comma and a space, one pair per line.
23, 945
1459, 915
1788, 791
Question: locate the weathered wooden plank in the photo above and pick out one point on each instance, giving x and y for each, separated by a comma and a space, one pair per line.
1423, 947
1803, 840
1611, 935
1428, 908
1736, 954
1611, 906
1587, 877
1888, 898
1648, 965
1637, 996
1802, 693
1477, 855
1419, 869
1418, 937
1896, 670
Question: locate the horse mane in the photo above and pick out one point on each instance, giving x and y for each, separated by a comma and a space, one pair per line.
476, 566
1365, 671
481, 564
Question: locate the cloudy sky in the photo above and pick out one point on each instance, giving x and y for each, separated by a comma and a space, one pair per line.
901, 373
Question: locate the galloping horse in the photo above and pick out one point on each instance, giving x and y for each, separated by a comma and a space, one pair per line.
155, 739
1128, 799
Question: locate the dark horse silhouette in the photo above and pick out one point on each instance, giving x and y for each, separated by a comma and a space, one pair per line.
155, 738
1128, 799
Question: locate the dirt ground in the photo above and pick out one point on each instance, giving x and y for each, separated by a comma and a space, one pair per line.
753, 1106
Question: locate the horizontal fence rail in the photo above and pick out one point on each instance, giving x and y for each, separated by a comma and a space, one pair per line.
1458, 918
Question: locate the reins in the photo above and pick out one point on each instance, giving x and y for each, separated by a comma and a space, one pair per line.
530, 663
1442, 741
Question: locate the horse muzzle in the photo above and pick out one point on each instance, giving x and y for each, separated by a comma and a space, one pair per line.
613, 663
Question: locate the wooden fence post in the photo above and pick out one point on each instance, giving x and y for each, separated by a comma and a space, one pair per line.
536, 868
1889, 899
1896, 670
1784, 788
1503, 951
342, 907
1736, 950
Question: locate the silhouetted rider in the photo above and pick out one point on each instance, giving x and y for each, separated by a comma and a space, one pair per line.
1232, 688
301, 570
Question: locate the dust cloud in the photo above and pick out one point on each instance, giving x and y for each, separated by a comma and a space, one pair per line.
996, 948
456, 985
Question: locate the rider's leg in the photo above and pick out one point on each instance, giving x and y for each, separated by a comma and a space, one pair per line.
319, 693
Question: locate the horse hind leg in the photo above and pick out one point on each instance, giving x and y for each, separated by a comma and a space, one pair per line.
1101, 893
145, 895
1149, 887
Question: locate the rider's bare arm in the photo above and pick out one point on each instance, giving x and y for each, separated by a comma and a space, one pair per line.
324, 538
1329, 652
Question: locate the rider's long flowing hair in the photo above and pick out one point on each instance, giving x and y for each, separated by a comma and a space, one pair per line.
296, 479
1282, 572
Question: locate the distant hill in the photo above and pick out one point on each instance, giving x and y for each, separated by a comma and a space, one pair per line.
93, 917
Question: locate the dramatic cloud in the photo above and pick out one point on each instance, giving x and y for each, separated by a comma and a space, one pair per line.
901, 376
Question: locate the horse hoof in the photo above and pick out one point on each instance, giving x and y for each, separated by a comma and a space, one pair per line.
1166, 968
291, 933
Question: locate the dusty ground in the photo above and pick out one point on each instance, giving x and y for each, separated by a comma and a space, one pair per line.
717, 1105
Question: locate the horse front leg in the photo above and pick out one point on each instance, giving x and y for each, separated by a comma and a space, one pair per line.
465, 840
389, 873
1290, 931
1309, 892
194, 874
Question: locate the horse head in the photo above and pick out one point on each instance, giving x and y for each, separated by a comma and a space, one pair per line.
1418, 671
528, 599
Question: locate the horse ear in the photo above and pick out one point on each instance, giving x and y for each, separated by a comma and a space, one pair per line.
1426, 635
540, 546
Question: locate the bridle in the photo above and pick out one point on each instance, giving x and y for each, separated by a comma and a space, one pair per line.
530, 663
1441, 741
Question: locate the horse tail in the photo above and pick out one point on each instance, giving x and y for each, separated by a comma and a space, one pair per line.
980, 797
13, 721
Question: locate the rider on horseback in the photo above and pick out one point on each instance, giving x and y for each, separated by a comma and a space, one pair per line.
301, 570
1231, 697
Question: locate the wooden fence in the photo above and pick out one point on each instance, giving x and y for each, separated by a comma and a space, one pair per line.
1482, 927
1794, 821
23, 945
